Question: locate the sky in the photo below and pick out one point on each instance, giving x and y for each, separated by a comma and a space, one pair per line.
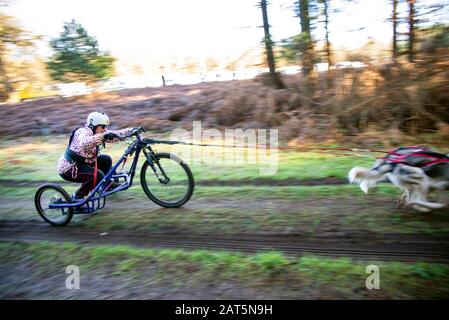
167, 30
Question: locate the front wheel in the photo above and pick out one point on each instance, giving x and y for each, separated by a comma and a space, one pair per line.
172, 189
53, 194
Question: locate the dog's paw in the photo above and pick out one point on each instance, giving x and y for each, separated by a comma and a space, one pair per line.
419, 208
428, 204
365, 186
425, 206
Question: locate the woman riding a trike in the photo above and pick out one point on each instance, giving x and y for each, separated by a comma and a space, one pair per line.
165, 178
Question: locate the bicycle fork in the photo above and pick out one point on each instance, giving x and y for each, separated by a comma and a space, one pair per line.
151, 158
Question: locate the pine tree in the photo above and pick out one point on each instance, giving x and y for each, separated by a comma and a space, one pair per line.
77, 56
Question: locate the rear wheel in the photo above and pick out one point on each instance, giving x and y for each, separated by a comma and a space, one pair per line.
53, 194
172, 192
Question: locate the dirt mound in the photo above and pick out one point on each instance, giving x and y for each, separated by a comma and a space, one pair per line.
389, 103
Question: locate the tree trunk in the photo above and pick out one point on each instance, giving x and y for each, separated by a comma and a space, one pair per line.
395, 33
5, 86
411, 30
269, 45
267, 38
326, 26
305, 30
304, 16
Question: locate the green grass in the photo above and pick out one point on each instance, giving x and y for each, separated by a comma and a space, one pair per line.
36, 159
236, 192
418, 280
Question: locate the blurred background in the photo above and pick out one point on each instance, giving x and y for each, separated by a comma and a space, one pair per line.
325, 73
349, 67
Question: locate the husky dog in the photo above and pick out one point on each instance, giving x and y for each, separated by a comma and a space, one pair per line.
416, 170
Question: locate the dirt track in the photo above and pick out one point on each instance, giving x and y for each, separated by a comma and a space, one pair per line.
359, 246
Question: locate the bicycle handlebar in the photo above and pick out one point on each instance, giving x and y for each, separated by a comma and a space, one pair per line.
135, 132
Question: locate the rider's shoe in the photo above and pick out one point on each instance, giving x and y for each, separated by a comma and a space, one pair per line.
82, 209
74, 198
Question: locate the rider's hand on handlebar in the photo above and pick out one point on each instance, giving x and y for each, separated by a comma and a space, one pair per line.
136, 131
110, 136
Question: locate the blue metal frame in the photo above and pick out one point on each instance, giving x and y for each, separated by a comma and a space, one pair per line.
97, 197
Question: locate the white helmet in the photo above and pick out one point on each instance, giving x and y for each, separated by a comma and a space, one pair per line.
97, 118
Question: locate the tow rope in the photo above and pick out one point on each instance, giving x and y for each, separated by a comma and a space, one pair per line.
154, 141
173, 142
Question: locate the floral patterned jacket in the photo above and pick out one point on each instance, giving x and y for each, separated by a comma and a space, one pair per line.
84, 143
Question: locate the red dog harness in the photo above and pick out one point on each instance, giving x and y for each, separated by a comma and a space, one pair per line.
415, 156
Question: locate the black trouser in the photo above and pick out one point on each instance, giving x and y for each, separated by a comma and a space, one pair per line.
86, 175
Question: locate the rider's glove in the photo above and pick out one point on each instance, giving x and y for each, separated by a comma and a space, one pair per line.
110, 136
136, 130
